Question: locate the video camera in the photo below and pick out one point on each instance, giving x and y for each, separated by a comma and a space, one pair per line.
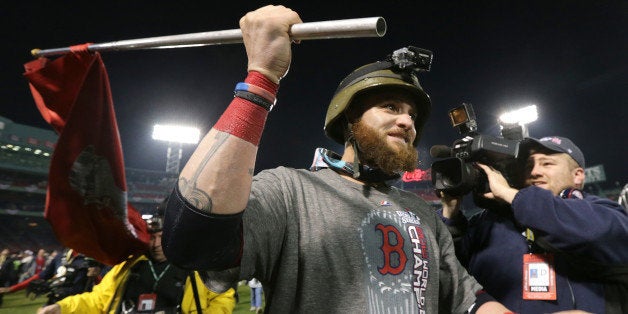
456, 174
412, 58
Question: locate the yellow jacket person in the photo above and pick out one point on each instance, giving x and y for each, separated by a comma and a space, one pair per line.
148, 284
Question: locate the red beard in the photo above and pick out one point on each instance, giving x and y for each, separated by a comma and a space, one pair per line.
376, 151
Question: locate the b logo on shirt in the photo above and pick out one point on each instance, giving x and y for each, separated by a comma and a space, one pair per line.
390, 249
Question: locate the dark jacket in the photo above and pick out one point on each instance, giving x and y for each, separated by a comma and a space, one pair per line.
592, 229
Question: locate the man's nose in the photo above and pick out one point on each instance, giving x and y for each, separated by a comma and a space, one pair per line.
535, 171
405, 121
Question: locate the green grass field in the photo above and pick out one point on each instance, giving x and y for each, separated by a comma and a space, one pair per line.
18, 303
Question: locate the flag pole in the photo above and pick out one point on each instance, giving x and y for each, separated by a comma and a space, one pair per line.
348, 28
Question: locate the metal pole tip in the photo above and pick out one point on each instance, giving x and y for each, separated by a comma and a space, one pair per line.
35, 52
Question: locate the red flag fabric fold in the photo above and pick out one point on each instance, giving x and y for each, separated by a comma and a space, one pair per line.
86, 203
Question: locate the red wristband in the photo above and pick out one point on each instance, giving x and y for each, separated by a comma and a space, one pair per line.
258, 79
243, 118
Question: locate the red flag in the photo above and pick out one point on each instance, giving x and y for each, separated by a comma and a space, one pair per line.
86, 203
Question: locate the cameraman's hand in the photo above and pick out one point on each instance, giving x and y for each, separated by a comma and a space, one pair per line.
500, 189
93, 271
451, 204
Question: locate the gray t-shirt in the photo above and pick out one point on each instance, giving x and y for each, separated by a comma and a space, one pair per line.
322, 244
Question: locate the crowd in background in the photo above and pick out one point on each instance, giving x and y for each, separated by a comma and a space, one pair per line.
18, 266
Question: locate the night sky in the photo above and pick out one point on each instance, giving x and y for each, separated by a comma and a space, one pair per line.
567, 57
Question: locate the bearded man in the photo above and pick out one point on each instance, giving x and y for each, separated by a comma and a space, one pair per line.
336, 238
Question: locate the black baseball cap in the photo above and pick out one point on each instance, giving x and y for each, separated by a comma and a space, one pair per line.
556, 144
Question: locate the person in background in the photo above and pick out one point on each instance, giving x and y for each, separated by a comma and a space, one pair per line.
40, 261
148, 283
623, 197
34, 266
339, 238
256, 295
51, 256
547, 246
25, 265
5, 269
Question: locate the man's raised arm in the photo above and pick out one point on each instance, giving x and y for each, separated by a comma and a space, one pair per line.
204, 211
217, 178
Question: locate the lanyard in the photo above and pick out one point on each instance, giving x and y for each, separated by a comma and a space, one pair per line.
157, 278
530, 238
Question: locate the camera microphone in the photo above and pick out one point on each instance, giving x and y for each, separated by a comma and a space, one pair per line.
440, 151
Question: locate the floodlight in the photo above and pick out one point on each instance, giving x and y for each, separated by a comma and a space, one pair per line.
176, 134
520, 116
514, 123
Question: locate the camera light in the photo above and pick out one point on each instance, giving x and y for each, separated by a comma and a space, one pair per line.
458, 116
463, 118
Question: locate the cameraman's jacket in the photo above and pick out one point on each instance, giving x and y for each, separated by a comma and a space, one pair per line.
107, 295
592, 229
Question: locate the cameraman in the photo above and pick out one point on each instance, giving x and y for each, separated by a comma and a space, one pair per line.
67, 274
549, 246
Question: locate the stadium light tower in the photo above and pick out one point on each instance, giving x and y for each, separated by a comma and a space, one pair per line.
514, 123
175, 135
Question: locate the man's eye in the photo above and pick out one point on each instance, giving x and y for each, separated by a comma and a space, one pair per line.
391, 107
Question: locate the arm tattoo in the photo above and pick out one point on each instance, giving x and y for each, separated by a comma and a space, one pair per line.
196, 197
192, 193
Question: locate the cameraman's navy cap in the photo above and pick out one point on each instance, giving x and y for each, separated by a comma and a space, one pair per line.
556, 144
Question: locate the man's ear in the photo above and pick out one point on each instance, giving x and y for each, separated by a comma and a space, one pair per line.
578, 177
